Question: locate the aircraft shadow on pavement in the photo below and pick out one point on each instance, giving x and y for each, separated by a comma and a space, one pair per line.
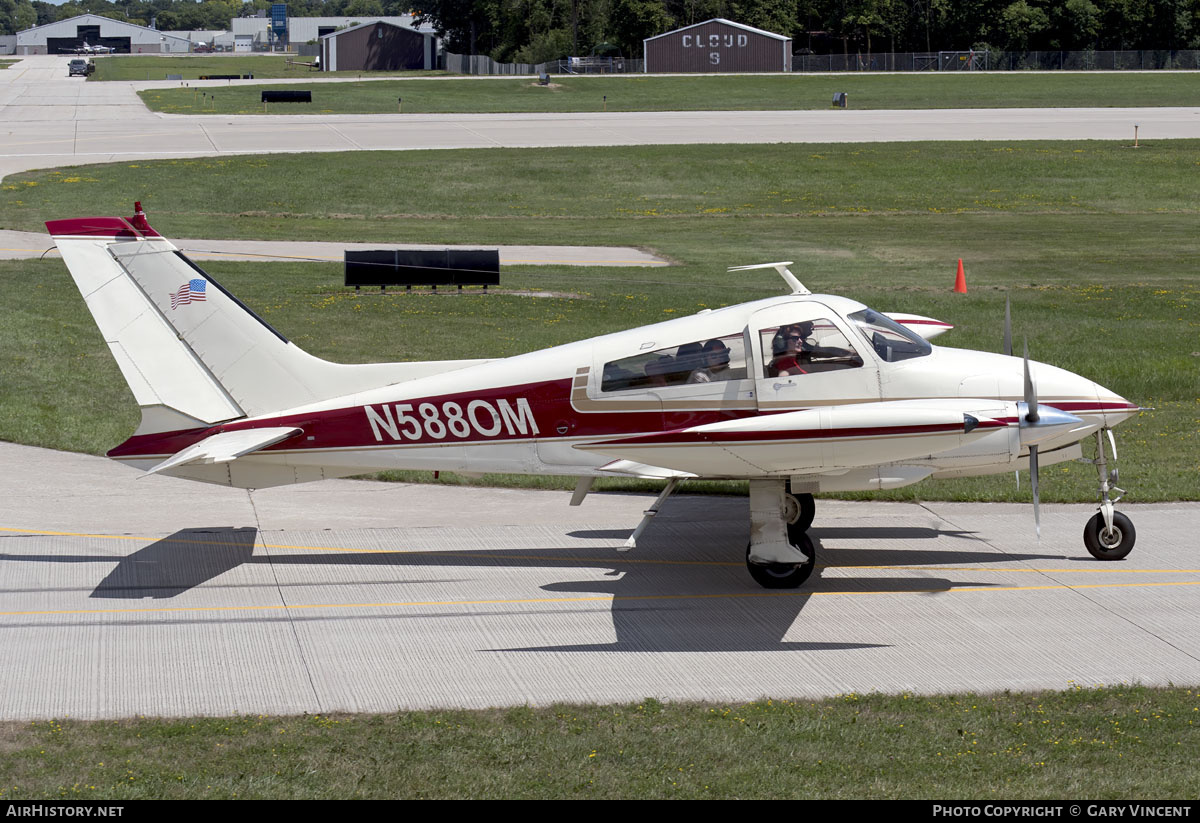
175, 564
668, 606
663, 598
721, 611
847, 533
683, 589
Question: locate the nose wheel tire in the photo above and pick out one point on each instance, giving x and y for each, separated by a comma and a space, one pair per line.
784, 575
1109, 544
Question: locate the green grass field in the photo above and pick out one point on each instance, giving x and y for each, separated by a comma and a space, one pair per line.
1086, 238
190, 67
1116, 743
1092, 241
727, 92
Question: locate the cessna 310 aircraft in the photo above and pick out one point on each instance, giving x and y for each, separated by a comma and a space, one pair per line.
797, 394
86, 49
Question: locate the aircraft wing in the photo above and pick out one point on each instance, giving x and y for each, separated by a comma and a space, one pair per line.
227, 446
817, 440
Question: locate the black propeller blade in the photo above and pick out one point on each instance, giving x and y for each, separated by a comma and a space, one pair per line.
1032, 416
1007, 326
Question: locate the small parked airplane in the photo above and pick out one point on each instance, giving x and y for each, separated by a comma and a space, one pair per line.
86, 49
797, 394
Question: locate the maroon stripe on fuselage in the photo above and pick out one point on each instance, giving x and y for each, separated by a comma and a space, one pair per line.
549, 411
791, 435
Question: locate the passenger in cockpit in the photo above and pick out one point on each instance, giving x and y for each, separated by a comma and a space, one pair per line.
716, 364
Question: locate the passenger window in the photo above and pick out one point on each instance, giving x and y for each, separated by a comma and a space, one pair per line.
713, 360
805, 348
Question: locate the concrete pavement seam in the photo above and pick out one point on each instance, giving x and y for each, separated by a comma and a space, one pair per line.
208, 137
258, 541
333, 128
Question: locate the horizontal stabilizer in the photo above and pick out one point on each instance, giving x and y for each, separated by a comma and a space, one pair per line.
643, 470
227, 446
927, 327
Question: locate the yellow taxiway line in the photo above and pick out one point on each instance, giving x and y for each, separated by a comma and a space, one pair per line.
609, 560
581, 599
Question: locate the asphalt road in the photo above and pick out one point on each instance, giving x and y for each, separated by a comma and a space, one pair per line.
122, 594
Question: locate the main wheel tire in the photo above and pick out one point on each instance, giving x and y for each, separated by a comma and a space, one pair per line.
1103, 544
784, 575
801, 508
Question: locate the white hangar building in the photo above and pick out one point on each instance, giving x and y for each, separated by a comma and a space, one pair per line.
65, 36
252, 32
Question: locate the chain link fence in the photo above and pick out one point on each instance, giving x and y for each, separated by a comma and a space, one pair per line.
990, 60
482, 64
970, 60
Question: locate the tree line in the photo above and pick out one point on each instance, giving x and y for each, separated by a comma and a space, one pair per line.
534, 31
184, 15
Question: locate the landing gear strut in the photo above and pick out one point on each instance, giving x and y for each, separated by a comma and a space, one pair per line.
780, 554
1109, 535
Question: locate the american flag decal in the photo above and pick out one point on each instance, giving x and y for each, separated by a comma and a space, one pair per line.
190, 292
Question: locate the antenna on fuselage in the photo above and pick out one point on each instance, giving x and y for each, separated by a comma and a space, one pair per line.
795, 285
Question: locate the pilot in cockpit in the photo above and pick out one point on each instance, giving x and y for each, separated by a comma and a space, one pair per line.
790, 350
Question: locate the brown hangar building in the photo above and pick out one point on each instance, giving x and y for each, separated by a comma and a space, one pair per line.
378, 46
717, 45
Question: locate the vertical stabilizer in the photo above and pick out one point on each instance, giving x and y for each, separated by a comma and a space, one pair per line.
171, 384
191, 352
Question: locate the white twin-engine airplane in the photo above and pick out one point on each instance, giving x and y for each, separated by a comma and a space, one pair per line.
797, 394
86, 49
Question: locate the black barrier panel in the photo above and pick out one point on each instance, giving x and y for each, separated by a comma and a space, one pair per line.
220, 77
371, 268
439, 267
287, 96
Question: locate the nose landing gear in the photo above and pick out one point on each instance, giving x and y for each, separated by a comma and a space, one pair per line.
1109, 535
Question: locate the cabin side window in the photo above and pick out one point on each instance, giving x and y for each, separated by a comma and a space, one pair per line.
805, 348
713, 360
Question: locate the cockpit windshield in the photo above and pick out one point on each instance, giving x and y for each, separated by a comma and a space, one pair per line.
891, 341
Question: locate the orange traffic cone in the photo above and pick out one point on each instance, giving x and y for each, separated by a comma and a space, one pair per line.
960, 280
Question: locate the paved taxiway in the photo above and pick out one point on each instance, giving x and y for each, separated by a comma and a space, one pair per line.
26, 244
123, 596
48, 119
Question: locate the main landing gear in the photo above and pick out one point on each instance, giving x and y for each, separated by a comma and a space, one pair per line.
1109, 535
780, 554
